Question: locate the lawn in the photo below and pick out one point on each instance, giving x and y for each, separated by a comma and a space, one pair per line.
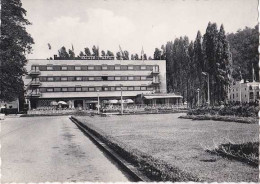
183, 142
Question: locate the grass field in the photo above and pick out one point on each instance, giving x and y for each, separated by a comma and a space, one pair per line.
182, 142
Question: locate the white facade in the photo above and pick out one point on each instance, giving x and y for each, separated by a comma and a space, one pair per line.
244, 92
49, 80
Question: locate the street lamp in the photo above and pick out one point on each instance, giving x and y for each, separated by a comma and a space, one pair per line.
121, 101
98, 102
207, 74
198, 90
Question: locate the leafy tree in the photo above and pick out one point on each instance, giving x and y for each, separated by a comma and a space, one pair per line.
103, 53
118, 56
145, 57
87, 51
81, 53
136, 57
15, 43
63, 53
95, 51
109, 53
150, 58
157, 54
126, 55
132, 57
244, 49
71, 54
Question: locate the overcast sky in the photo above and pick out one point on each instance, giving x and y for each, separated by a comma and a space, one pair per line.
129, 23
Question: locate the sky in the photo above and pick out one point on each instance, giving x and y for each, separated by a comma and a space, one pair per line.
132, 24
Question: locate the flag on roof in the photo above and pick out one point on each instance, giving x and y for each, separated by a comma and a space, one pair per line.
49, 45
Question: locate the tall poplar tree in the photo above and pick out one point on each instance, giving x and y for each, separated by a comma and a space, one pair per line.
15, 43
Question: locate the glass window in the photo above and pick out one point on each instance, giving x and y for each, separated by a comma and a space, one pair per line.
77, 67
50, 79
118, 88
124, 67
112, 88
57, 78
78, 89
98, 78
71, 78
104, 88
49, 68
42, 90
64, 78
71, 89
85, 78
117, 67
124, 78
111, 67
149, 67
91, 89
143, 88
143, 67
91, 78
137, 67
117, 78
130, 67
57, 89
90, 67
130, 78
98, 67
137, 88
124, 88
71, 68
43, 79
49, 89
137, 78
64, 89
130, 88
104, 67
150, 88
43, 68
85, 89
143, 77
98, 88
110, 78
78, 78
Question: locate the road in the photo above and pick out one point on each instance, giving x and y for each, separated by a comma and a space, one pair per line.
52, 149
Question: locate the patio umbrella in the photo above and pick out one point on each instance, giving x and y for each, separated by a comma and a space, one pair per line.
129, 101
62, 103
113, 101
54, 103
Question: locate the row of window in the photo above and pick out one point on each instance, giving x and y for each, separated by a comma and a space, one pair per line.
93, 89
97, 78
95, 67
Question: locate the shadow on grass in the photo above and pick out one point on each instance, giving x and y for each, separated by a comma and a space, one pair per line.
247, 152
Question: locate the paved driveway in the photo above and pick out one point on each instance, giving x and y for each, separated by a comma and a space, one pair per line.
52, 149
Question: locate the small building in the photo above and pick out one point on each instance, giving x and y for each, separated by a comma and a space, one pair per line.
244, 92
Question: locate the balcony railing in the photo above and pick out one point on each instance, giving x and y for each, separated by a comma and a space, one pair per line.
34, 94
34, 72
35, 83
155, 72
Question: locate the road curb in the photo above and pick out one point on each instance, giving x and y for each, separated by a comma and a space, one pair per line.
126, 166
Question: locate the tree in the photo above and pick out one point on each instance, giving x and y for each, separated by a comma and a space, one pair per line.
109, 53
81, 53
244, 49
145, 57
157, 54
15, 43
63, 53
103, 53
71, 54
87, 51
132, 57
136, 57
118, 56
150, 58
126, 55
95, 51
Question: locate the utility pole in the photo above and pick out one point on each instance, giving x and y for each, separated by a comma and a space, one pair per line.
98, 103
121, 102
198, 90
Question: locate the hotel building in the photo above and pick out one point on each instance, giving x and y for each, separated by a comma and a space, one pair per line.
80, 82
